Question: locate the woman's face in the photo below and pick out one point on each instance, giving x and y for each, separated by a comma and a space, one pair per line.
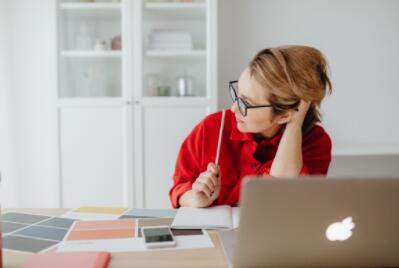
258, 120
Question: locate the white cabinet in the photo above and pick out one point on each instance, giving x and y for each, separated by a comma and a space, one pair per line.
122, 112
93, 113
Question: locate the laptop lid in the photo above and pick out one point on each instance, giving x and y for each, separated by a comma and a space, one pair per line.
318, 222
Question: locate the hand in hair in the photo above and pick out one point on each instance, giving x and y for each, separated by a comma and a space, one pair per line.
298, 117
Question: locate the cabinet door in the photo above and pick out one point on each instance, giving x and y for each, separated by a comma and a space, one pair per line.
91, 148
165, 128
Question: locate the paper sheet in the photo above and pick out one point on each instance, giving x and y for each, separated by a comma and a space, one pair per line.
136, 244
126, 241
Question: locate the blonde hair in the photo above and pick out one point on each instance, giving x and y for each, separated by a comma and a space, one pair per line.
292, 73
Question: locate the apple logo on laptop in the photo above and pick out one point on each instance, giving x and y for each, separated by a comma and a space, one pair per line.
340, 230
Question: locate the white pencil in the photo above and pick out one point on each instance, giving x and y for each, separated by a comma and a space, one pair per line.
220, 138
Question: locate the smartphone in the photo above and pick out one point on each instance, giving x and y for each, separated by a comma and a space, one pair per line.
158, 236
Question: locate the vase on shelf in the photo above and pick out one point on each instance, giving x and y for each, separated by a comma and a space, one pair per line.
116, 43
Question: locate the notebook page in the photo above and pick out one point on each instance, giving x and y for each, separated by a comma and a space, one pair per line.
218, 217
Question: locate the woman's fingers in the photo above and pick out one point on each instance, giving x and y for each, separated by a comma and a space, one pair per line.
202, 187
209, 181
213, 169
213, 178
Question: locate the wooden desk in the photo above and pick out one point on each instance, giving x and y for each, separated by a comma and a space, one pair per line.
210, 257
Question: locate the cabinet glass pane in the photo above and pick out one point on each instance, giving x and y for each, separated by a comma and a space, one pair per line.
164, 77
175, 50
90, 46
90, 78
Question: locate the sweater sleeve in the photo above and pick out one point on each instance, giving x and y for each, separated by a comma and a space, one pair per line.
188, 164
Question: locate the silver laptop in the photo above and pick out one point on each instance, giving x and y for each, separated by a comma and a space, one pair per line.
317, 222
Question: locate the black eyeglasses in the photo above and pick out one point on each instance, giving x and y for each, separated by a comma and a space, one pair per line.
242, 105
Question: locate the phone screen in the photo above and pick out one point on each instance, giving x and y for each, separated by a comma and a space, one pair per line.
156, 235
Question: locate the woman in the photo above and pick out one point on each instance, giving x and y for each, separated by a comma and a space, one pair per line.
271, 129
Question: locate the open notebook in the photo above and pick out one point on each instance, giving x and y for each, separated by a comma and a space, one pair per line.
218, 217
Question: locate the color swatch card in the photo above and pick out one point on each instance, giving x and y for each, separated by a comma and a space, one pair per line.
97, 230
94, 213
32, 233
107, 235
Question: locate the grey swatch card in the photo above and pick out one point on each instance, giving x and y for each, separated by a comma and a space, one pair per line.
58, 222
8, 227
26, 244
43, 232
22, 218
128, 217
33, 233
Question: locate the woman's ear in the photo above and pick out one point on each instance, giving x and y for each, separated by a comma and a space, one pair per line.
284, 118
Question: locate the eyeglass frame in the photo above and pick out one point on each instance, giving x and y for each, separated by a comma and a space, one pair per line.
237, 99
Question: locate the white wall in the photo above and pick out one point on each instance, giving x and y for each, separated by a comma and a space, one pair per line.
7, 160
360, 39
32, 82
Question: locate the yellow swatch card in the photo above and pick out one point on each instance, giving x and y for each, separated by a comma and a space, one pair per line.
101, 210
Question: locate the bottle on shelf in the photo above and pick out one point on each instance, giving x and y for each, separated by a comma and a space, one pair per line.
83, 38
98, 82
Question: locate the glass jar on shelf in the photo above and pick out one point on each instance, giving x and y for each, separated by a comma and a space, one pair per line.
152, 84
185, 86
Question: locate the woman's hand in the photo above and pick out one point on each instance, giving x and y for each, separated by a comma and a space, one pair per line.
206, 188
288, 160
299, 116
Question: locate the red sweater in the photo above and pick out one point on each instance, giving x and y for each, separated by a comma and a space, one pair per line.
240, 155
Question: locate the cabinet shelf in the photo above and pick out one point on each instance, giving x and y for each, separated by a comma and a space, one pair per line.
175, 6
91, 54
176, 10
93, 10
175, 101
90, 102
91, 6
176, 53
